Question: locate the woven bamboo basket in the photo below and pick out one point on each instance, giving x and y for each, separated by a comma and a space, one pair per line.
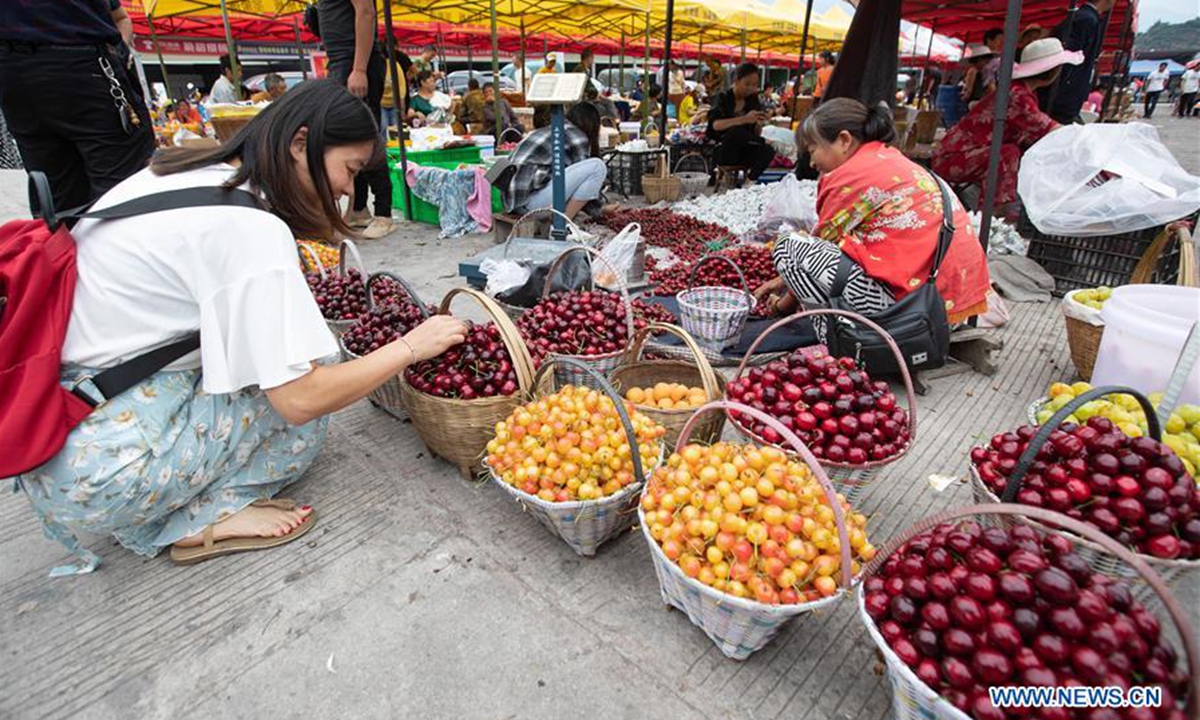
849, 479
715, 315
661, 185
1083, 338
740, 627
635, 372
691, 182
584, 524
912, 699
518, 228
459, 430
228, 126
388, 397
1098, 555
605, 363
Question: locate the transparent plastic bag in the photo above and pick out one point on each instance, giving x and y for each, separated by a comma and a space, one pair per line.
619, 252
1087, 180
792, 206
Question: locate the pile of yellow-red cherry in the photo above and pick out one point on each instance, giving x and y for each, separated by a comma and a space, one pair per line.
751, 522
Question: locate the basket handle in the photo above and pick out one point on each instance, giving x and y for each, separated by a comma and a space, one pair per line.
1043, 434
301, 248
731, 263
638, 472
802, 450
508, 130
570, 223
404, 285
348, 244
910, 395
708, 376
1083, 530
621, 286
1144, 271
688, 155
521, 359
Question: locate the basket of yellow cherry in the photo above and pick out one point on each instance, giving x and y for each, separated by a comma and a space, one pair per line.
1181, 428
575, 458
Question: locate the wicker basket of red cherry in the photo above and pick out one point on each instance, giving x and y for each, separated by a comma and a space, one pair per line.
852, 423
964, 609
1133, 490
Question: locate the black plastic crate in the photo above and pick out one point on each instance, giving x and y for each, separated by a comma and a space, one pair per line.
1085, 262
625, 170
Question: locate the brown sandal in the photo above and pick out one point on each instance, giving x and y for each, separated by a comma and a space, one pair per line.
211, 549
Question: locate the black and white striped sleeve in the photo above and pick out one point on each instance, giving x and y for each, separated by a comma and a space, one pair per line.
808, 266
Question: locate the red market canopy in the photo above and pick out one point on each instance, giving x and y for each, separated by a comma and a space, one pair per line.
969, 19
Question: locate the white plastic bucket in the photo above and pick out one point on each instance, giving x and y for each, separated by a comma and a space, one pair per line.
1145, 327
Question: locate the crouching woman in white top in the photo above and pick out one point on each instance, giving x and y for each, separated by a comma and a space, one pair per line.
193, 457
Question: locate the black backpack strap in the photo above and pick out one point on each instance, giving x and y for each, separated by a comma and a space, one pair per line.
41, 200
206, 196
841, 277
116, 380
946, 234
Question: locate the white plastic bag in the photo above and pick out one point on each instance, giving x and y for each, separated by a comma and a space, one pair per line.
503, 275
1104, 179
792, 206
619, 252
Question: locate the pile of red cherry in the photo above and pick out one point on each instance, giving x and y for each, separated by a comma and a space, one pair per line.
344, 297
652, 313
968, 608
830, 403
686, 237
381, 325
580, 322
1135, 490
480, 367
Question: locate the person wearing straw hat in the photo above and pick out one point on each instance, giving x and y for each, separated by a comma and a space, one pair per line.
974, 84
963, 155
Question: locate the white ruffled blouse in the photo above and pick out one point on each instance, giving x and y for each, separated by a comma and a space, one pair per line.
229, 272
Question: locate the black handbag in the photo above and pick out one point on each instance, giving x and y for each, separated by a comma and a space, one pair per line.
918, 323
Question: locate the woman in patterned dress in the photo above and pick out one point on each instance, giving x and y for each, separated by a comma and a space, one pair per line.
192, 458
881, 210
963, 155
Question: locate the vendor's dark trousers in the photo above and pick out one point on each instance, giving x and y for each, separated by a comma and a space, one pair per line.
1187, 101
377, 178
59, 106
755, 156
1150, 104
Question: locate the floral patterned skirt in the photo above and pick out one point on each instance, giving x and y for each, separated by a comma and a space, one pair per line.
163, 460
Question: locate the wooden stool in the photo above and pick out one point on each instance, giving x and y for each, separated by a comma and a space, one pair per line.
502, 225
731, 176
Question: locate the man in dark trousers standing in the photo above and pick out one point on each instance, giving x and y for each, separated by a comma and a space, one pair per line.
75, 111
1064, 100
348, 32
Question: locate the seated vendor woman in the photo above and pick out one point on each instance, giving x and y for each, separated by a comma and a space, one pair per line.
530, 187
420, 105
963, 154
881, 210
193, 457
736, 121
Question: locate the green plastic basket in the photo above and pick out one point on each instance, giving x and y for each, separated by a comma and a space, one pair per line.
426, 212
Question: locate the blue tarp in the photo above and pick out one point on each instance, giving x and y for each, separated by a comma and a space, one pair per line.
1142, 68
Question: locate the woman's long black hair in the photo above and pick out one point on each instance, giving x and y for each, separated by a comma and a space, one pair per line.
333, 117
586, 117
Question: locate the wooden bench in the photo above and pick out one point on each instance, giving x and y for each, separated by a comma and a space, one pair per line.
502, 225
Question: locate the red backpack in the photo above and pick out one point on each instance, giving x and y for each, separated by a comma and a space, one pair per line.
37, 288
